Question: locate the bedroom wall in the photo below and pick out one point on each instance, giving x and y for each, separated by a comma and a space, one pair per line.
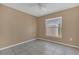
15, 26
70, 26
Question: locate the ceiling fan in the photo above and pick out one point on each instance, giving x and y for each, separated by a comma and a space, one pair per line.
42, 7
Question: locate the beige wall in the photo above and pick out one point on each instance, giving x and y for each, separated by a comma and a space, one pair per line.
15, 26
69, 26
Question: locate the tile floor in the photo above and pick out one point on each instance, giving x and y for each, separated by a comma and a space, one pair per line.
40, 47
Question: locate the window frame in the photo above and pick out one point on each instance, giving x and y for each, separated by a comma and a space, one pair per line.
59, 36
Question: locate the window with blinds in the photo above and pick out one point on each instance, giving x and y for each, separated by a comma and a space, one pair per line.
54, 27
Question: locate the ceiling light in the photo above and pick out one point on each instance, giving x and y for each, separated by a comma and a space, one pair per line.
42, 7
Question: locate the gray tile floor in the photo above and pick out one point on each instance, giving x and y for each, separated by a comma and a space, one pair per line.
40, 47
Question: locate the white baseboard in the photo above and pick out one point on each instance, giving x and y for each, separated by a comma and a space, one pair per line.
16, 44
60, 43
35, 39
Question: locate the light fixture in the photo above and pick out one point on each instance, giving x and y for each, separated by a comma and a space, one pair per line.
42, 7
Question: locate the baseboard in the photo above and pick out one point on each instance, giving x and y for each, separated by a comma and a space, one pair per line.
60, 43
17, 44
40, 39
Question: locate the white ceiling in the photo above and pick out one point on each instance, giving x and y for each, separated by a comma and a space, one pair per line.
44, 8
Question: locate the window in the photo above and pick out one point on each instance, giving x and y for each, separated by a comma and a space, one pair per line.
54, 26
